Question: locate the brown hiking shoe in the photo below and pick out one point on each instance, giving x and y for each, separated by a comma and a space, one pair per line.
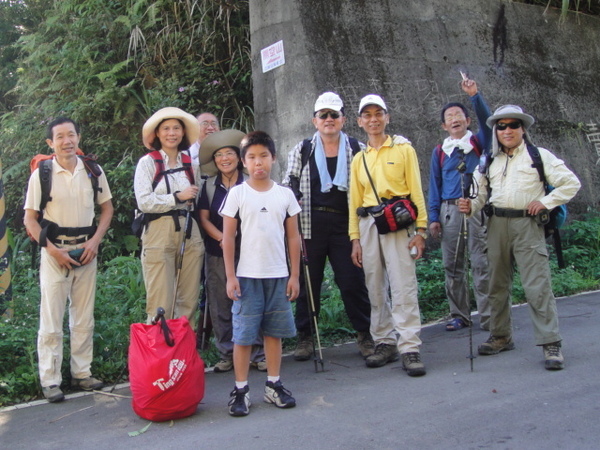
495, 345
384, 353
87, 384
224, 365
411, 362
553, 356
365, 343
304, 348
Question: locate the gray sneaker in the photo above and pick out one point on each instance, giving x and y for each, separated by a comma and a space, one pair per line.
239, 402
53, 393
495, 345
365, 343
411, 362
261, 365
384, 353
553, 356
304, 348
87, 384
225, 365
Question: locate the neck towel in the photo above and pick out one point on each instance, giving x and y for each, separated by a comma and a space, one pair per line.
341, 171
464, 144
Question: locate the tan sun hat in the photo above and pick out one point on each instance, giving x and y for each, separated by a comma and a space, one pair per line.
212, 143
192, 127
510, 112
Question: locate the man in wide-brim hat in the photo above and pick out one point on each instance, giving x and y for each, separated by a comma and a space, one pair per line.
514, 235
220, 159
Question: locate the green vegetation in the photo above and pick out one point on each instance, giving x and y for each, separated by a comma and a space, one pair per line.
120, 302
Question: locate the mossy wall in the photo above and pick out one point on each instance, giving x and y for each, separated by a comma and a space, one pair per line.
411, 54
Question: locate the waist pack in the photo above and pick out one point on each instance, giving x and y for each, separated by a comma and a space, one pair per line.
166, 374
393, 215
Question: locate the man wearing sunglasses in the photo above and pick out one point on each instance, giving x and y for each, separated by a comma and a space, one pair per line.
319, 173
516, 199
452, 166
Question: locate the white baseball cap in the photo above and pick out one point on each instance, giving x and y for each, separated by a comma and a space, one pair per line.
371, 99
329, 100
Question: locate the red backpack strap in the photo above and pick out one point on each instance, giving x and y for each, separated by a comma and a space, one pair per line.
186, 160
159, 164
440, 154
476, 145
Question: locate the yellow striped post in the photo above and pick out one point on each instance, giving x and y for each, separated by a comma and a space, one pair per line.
5, 286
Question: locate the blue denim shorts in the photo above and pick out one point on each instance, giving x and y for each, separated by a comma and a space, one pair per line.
263, 304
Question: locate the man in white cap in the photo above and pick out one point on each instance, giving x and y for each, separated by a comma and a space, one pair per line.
319, 173
516, 197
209, 124
386, 258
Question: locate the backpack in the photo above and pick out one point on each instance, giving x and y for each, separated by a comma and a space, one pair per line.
45, 172
140, 220
44, 165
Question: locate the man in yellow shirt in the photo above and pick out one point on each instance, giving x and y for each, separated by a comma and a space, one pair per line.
386, 258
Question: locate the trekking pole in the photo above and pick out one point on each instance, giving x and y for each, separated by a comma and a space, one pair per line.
314, 326
186, 236
204, 323
462, 167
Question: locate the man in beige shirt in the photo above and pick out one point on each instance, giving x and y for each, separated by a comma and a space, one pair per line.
516, 197
69, 245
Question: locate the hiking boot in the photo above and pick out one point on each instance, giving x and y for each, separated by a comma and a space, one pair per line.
411, 362
365, 343
53, 393
239, 403
87, 384
384, 353
278, 395
495, 345
553, 356
225, 365
261, 365
304, 348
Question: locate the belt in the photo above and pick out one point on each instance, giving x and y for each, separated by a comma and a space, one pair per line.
510, 213
329, 210
452, 201
71, 241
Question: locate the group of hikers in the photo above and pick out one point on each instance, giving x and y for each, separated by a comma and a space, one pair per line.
359, 206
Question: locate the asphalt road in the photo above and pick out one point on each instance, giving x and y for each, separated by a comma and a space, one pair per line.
508, 402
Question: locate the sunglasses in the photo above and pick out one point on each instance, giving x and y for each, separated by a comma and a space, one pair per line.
511, 125
324, 115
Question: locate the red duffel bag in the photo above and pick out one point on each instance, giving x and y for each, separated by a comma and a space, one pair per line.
166, 374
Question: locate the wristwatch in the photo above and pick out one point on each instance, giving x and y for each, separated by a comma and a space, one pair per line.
421, 232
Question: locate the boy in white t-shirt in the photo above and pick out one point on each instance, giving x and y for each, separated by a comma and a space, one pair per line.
261, 288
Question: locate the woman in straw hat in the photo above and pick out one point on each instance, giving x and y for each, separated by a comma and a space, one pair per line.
166, 198
220, 159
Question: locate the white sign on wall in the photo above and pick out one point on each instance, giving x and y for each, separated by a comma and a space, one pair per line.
272, 56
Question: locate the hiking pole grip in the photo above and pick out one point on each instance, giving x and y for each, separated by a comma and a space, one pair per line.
160, 312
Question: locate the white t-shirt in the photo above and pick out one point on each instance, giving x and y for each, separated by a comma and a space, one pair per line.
262, 216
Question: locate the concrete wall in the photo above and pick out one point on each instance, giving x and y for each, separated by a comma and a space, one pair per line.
411, 52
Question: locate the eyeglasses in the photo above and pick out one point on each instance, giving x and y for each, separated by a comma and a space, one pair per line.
229, 154
207, 124
324, 115
511, 125
379, 115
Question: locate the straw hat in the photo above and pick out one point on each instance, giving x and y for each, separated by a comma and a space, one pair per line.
510, 112
192, 128
214, 142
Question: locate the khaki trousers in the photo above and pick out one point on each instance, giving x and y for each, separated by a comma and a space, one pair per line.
521, 241
392, 285
160, 258
79, 287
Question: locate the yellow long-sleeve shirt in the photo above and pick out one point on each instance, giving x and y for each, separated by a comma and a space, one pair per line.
394, 169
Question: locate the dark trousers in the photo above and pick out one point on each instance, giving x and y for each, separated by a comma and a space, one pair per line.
329, 239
